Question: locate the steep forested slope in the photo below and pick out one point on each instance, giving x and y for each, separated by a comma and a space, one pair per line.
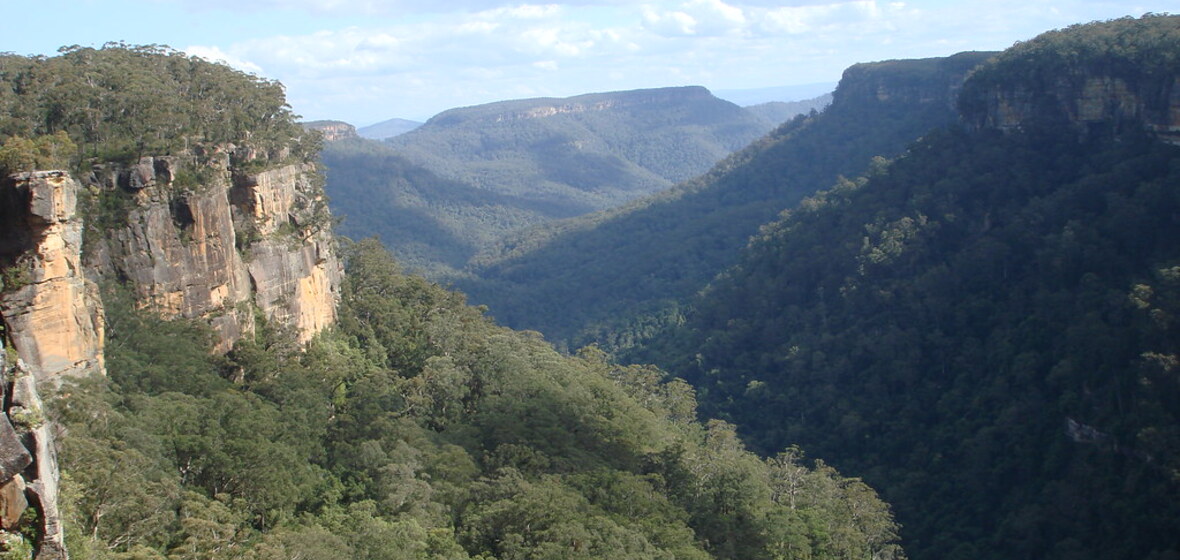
432, 224
406, 425
984, 329
614, 277
419, 429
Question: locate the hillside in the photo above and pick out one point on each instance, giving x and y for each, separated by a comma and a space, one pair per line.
387, 129
617, 276
779, 112
582, 153
221, 386
431, 224
471, 175
985, 328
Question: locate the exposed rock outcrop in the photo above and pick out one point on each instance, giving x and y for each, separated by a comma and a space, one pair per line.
1086, 101
194, 236
933, 81
1096, 81
332, 130
28, 464
28, 412
51, 311
215, 246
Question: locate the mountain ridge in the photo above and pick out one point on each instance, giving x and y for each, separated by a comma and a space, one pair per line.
523, 162
698, 224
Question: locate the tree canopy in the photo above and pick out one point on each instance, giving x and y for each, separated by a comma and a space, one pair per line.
123, 101
419, 429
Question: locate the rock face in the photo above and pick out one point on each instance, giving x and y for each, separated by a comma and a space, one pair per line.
28, 463
333, 130
27, 411
216, 247
1086, 101
1094, 81
194, 236
51, 312
933, 81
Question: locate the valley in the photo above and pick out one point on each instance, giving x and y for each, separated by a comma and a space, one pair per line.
932, 315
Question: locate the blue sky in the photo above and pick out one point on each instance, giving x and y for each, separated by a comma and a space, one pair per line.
364, 61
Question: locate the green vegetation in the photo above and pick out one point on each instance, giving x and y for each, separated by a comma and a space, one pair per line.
123, 101
617, 277
49, 151
454, 186
983, 329
588, 152
1142, 52
431, 224
419, 429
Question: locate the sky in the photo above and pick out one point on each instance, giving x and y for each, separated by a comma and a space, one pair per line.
365, 61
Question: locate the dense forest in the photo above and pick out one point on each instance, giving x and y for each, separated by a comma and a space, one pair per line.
616, 277
984, 328
121, 102
982, 325
433, 225
414, 428
419, 429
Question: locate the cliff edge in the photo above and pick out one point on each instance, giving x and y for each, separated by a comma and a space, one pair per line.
1094, 78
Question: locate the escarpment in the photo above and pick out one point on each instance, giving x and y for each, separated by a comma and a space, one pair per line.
182, 187
204, 237
52, 316
1095, 81
210, 236
931, 82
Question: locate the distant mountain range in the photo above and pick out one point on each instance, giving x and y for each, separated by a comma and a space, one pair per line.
387, 129
614, 277
782, 111
786, 94
468, 176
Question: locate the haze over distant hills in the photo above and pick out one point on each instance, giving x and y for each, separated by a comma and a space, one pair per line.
613, 277
786, 94
387, 129
470, 175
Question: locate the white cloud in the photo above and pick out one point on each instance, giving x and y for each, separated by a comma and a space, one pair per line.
388, 63
669, 23
694, 18
803, 19
215, 54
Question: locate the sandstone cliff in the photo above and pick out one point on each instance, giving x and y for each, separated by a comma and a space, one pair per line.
202, 237
51, 312
1088, 100
1096, 80
332, 130
224, 236
930, 81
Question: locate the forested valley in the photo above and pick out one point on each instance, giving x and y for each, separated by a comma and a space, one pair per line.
957, 287
413, 427
419, 429
451, 188
616, 277
984, 327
